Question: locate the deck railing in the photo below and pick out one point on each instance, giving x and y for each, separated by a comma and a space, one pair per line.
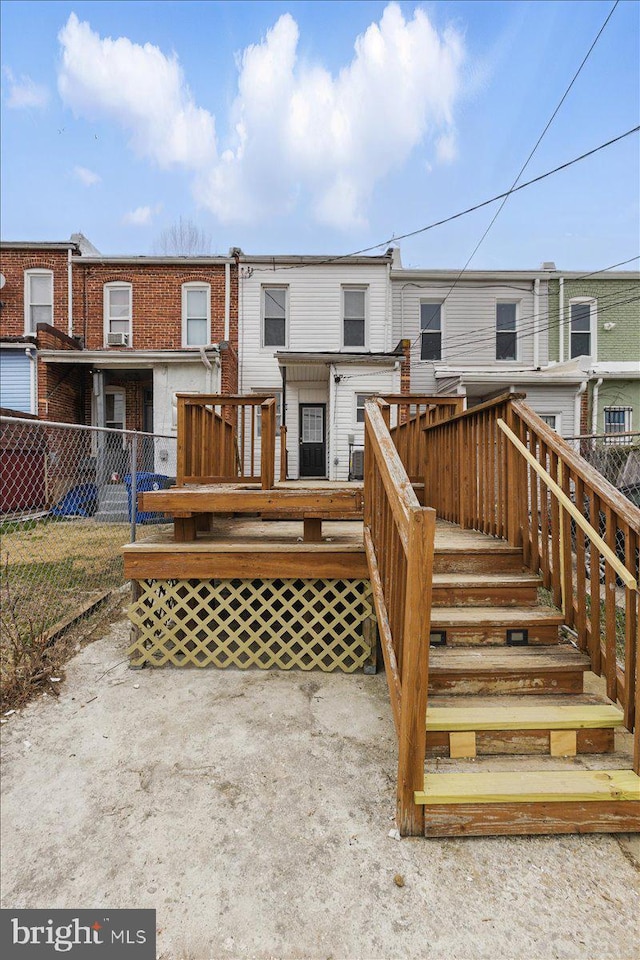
409, 415
399, 542
500, 469
226, 439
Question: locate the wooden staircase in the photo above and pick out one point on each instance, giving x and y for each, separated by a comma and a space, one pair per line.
503, 683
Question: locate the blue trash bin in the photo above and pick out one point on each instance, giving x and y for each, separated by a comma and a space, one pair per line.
147, 481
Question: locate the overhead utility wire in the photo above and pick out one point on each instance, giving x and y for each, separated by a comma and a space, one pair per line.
535, 147
462, 213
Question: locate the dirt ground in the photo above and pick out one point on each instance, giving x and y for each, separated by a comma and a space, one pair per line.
253, 811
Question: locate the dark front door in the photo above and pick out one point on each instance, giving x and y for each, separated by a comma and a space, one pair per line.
313, 444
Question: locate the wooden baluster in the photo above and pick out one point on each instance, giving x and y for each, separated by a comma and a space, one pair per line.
631, 598
535, 509
581, 572
556, 576
565, 540
545, 523
610, 606
594, 588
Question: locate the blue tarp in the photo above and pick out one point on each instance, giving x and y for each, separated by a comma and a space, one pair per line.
80, 501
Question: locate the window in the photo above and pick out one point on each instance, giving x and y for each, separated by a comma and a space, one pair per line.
117, 314
618, 420
361, 398
275, 316
354, 316
196, 314
581, 333
552, 420
506, 336
430, 331
278, 395
38, 299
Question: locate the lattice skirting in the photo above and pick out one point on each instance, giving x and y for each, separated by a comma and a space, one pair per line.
310, 624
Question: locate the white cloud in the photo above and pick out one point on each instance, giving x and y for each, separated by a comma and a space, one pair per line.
141, 216
298, 134
141, 88
86, 176
23, 92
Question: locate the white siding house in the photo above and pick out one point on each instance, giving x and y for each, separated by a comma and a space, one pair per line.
479, 334
317, 332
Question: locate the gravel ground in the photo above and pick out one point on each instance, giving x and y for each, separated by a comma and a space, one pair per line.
252, 811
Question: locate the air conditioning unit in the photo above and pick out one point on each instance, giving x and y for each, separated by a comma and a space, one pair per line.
357, 465
117, 339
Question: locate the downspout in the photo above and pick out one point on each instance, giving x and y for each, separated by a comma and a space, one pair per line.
561, 320
227, 300
209, 367
536, 324
576, 408
69, 294
594, 405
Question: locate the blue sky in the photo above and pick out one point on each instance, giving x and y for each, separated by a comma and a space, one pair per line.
322, 127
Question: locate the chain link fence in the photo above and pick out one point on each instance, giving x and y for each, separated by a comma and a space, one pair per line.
67, 507
615, 455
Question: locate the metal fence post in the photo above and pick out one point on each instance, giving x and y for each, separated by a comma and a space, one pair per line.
134, 486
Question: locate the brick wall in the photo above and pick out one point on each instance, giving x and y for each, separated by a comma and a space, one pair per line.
156, 302
13, 263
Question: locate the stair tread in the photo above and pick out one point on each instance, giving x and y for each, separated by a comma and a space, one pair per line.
501, 660
530, 786
530, 713
457, 616
488, 579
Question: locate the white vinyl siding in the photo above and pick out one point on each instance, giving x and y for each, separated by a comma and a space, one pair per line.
16, 381
196, 314
38, 299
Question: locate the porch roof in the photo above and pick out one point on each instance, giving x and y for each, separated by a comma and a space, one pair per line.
116, 359
336, 357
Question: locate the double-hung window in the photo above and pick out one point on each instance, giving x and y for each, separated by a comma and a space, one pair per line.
581, 333
274, 310
117, 314
361, 399
354, 323
196, 314
430, 330
38, 299
618, 420
506, 331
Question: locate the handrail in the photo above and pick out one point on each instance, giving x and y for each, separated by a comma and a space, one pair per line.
479, 408
399, 543
627, 578
607, 492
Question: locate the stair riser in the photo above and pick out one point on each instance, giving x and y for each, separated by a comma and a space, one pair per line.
494, 636
489, 562
490, 743
484, 596
509, 819
473, 683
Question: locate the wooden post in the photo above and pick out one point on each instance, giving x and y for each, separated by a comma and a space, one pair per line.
415, 670
181, 442
283, 453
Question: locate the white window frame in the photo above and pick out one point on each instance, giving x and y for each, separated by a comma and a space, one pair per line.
432, 300
593, 325
278, 393
112, 285
30, 328
366, 396
558, 420
263, 291
360, 288
516, 304
613, 436
186, 287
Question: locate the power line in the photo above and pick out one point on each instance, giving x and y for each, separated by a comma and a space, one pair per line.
461, 213
535, 147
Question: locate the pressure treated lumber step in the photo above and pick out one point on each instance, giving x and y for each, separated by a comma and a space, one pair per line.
506, 670
490, 726
477, 556
530, 802
485, 589
489, 625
